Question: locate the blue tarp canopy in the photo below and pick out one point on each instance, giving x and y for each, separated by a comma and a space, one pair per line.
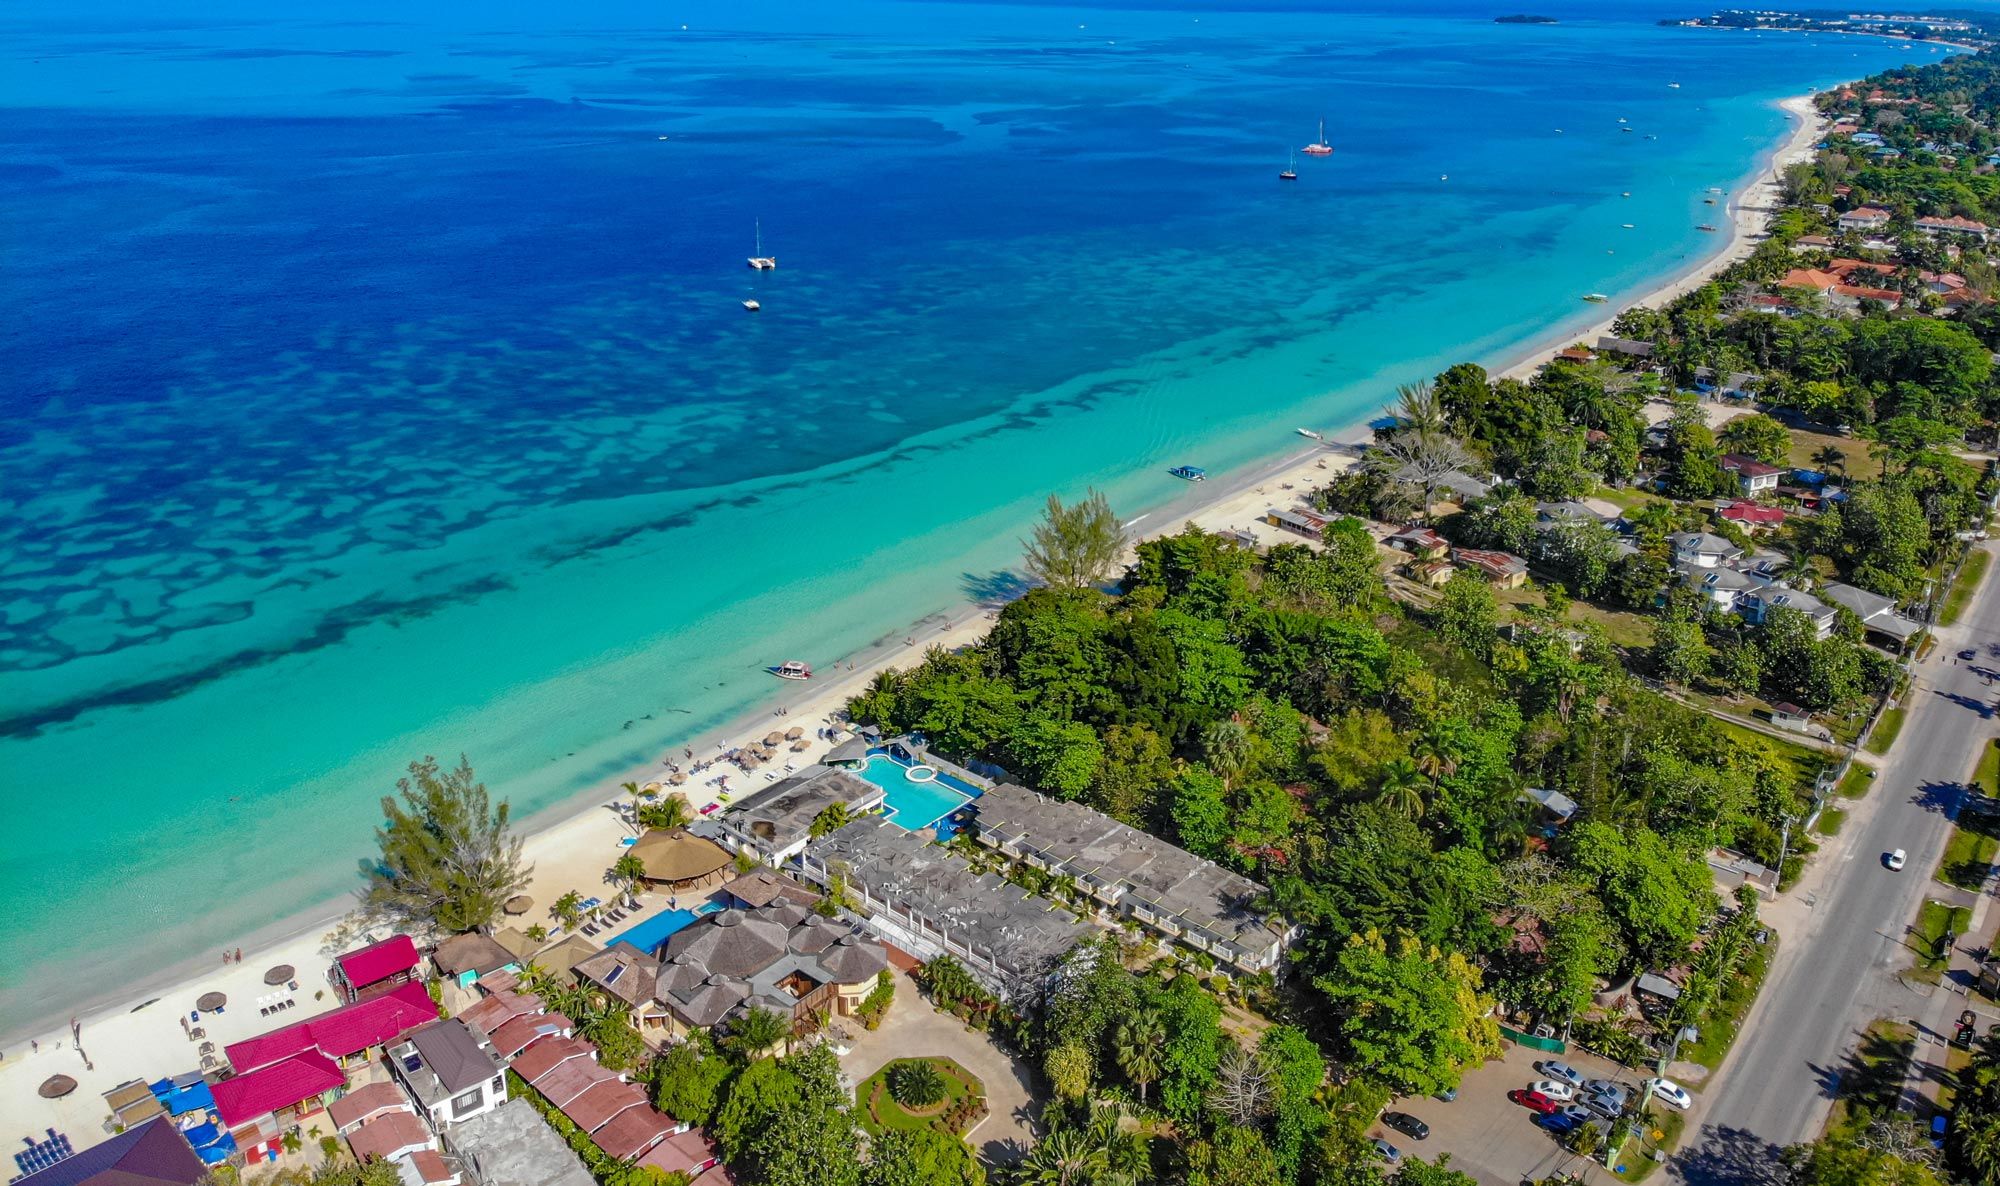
179, 1101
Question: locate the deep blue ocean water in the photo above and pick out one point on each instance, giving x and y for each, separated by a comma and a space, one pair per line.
377, 384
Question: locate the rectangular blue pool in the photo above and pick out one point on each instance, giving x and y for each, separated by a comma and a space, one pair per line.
649, 934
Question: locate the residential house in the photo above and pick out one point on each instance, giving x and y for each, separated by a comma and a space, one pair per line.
1811, 243
1554, 806
1864, 218
1421, 542
371, 1101
624, 972
1765, 302
775, 823
1880, 618
1432, 574
394, 1136
451, 1071
1628, 347
1300, 523
1457, 485
1848, 297
465, 958
377, 967
1720, 587
1756, 605
153, 1154
1751, 514
926, 901
1702, 549
1753, 476
1792, 717
1503, 569
1137, 876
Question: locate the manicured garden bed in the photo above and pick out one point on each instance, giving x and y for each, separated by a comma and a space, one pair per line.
963, 1105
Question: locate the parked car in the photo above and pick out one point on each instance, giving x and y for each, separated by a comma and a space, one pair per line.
1557, 1122
1386, 1151
1447, 1095
1894, 860
1578, 1113
1407, 1124
1534, 1101
1672, 1092
1601, 1086
1554, 1089
1605, 1105
1560, 1071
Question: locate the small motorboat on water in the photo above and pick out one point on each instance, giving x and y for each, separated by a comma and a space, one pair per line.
751, 304
1704, 227
1626, 194
1309, 433
1189, 473
1673, 86
792, 669
1595, 298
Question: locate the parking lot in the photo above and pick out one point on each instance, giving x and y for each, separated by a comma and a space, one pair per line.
1493, 1138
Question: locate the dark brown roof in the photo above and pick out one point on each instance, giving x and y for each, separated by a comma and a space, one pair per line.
601, 1101
363, 1102
678, 855
522, 1032
547, 1055
153, 1154
623, 971
570, 1080
632, 1133
763, 887
471, 952
387, 1135
454, 1055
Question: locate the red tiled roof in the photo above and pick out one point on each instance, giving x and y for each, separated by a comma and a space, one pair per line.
1844, 266
547, 1055
340, 1032
1811, 278
386, 1136
1870, 213
430, 1166
570, 1080
280, 1085
522, 1032
1749, 467
378, 961
1955, 223
632, 1133
1862, 293
1750, 512
601, 1101
683, 1153
361, 1103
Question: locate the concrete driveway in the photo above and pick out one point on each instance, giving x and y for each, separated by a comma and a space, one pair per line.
1489, 1136
915, 1030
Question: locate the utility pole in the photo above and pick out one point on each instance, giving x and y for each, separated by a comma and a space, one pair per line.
1784, 847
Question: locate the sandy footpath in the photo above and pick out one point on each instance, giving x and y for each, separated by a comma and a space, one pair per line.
571, 848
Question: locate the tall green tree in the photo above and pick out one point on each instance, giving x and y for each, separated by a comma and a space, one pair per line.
1409, 1014
449, 858
924, 1157
1075, 546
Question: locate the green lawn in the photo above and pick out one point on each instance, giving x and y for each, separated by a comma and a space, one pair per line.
1881, 1062
1968, 584
1718, 1028
1968, 856
1660, 1129
1805, 444
1884, 734
1830, 821
1855, 783
1986, 779
1934, 918
880, 1112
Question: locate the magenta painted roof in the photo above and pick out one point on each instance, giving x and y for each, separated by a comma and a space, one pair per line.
280, 1085
378, 961
340, 1032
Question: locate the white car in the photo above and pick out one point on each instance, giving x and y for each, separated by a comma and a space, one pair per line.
1895, 860
1560, 1070
1672, 1092
1555, 1089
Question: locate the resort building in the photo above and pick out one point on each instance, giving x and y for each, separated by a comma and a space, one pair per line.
1864, 218
451, 1071
465, 958
784, 958
341, 1036
775, 823
153, 1154
1954, 226
377, 967
625, 973
259, 1106
1133, 875
925, 900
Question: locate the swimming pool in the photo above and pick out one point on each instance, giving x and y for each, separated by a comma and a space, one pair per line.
648, 935
914, 805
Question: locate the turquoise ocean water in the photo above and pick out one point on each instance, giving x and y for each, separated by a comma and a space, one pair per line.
377, 382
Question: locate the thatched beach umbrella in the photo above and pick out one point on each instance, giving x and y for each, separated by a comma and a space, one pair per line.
801, 745
55, 1087
210, 1002
518, 904
773, 737
677, 778
795, 732
279, 974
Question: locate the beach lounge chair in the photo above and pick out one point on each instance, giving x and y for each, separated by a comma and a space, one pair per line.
590, 929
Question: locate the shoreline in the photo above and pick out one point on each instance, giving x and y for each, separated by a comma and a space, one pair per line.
572, 842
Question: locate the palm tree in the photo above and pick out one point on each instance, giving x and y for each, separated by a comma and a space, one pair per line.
666, 814
1066, 1157
1137, 1049
1434, 758
629, 873
1402, 787
1829, 459
1418, 407
757, 1031
568, 910
1225, 745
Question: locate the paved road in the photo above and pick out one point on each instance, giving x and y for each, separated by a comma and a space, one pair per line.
1844, 945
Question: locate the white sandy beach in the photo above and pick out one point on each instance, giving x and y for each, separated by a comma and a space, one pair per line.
141, 1038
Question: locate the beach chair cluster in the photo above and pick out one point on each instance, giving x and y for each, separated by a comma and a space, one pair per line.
272, 1004
601, 917
40, 1155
